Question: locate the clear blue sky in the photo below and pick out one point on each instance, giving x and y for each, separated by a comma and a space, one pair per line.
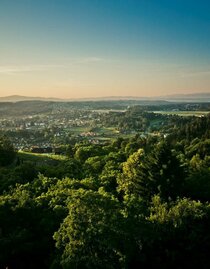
84, 48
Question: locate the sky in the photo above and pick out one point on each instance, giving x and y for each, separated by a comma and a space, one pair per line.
97, 48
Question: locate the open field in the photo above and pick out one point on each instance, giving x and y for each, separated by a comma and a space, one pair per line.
183, 113
79, 129
29, 156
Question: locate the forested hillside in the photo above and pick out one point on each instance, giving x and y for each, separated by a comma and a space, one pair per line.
131, 202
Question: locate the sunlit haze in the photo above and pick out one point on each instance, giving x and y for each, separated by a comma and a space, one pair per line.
96, 48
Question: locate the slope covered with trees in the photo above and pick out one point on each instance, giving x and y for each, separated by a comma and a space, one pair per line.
131, 203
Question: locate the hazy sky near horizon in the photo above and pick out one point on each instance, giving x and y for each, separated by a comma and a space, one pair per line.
95, 48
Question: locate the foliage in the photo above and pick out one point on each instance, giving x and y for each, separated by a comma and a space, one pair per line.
156, 173
87, 239
133, 202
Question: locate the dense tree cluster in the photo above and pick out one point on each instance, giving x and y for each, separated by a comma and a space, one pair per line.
131, 203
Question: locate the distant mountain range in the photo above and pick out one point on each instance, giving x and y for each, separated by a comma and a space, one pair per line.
204, 97
195, 97
18, 98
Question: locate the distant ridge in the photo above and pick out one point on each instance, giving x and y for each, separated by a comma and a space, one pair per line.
194, 97
18, 98
205, 97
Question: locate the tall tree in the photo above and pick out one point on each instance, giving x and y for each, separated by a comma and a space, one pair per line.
159, 172
7, 152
